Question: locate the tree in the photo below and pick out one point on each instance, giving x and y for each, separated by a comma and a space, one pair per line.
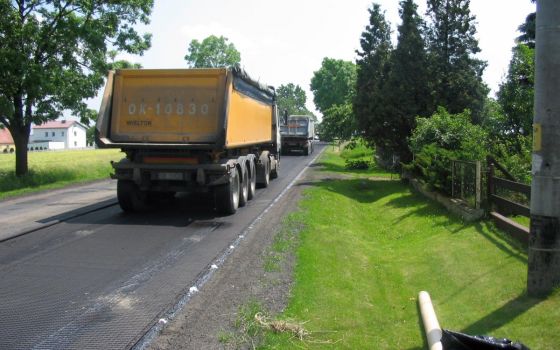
54, 54
124, 64
407, 91
333, 84
212, 52
338, 123
90, 132
292, 98
528, 30
372, 72
455, 74
516, 93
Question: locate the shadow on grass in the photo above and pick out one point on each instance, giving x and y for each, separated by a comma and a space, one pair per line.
509, 244
503, 315
361, 190
420, 330
370, 191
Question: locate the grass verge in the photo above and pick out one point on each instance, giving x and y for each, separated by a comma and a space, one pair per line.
369, 245
247, 330
284, 242
48, 170
335, 160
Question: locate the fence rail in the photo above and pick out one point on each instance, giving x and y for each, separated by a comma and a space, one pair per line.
507, 206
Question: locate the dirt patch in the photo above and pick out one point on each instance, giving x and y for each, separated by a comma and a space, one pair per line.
253, 275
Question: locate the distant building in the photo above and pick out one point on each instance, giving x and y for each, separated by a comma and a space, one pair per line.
57, 134
6, 141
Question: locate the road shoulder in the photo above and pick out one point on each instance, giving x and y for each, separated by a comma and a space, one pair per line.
240, 281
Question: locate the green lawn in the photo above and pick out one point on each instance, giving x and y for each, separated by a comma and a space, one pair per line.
369, 245
334, 160
55, 169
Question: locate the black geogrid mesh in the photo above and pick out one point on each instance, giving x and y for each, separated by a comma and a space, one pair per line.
69, 296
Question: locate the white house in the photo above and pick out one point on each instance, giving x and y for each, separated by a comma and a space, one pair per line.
57, 134
6, 141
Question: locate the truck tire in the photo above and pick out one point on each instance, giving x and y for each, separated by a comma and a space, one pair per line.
306, 150
226, 197
244, 185
130, 198
264, 169
252, 179
274, 172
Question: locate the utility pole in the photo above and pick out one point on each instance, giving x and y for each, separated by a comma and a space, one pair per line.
544, 241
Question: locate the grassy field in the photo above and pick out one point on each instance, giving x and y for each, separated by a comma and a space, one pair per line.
369, 245
55, 169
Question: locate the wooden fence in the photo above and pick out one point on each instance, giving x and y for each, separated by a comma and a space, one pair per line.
499, 206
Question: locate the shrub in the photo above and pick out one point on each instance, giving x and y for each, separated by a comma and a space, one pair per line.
515, 155
441, 138
357, 164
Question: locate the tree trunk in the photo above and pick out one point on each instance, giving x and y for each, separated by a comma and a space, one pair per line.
21, 139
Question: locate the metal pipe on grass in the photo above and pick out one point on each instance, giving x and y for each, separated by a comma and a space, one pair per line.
431, 324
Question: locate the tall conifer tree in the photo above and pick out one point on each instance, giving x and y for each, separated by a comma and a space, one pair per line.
455, 73
407, 91
372, 67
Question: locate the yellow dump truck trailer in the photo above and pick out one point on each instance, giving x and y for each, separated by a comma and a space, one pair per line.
185, 130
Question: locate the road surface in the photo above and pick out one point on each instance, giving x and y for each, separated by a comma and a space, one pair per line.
93, 277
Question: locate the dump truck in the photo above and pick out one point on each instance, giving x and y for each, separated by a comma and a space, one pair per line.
189, 130
298, 133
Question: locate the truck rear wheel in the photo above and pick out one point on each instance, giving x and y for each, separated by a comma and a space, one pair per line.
226, 197
252, 179
264, 177
130, 197
244, 188
274, 172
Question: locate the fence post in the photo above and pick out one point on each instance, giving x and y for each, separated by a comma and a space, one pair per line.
462, 171
478, 185
490, 184
452, 179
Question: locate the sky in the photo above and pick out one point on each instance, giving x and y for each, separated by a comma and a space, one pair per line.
285, 41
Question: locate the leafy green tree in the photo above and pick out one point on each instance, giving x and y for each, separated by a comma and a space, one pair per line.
338, 123
54, 54
124, 64
516, 93
528, 30
90, 132
212, 52
292, 98
455, 74
407, 91
494, 120
372, 74
333, 84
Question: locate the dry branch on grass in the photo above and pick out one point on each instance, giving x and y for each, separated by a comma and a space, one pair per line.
294, 328
281, 326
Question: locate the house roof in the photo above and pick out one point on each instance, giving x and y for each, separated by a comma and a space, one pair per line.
6, 137
57, 124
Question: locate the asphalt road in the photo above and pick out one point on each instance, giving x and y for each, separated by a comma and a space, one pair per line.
106, 280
